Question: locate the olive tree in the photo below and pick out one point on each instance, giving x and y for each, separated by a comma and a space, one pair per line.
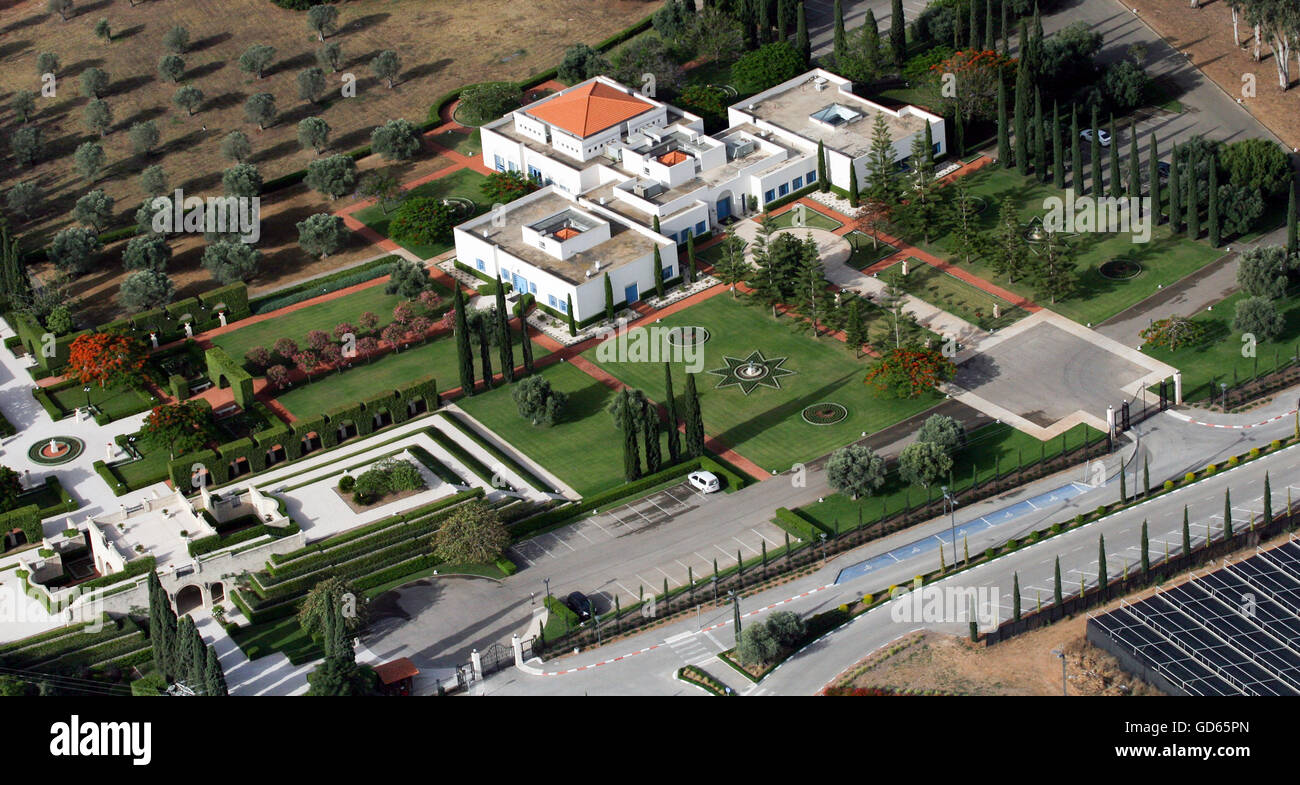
395, 140
855, 470
256, 59
171, 68
386, 65
229, 262
333, 176
260, 109
242, 180
313, 133
95, 209
145, 290
321, 234
189, 98
236, 147
73, 249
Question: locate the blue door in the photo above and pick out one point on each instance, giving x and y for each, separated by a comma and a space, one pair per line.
630, 294
724, 208
519, 283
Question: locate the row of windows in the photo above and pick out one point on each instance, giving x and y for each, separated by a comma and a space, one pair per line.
772, 194
698, 229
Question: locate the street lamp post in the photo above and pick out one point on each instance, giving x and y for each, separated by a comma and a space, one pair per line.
86, 390
823, 546
715, 589
1061, 656
735, 606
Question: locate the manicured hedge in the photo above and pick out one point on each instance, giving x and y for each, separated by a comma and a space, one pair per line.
216, 541
495, 452
133, 569
107, 474
315, 287
797, 525
27, 518
470, 462
442, 470
220, 364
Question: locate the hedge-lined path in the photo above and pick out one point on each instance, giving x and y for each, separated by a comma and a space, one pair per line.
269, 675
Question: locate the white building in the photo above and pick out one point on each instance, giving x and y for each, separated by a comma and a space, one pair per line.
620, 162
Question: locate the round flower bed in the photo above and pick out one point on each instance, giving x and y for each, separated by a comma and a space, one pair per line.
826, 413
56, 450
687, 336
1119, 269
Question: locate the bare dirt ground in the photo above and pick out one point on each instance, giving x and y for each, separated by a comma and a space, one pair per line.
443, 45
1205, 33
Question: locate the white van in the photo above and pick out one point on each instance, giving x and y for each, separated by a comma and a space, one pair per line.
704, 482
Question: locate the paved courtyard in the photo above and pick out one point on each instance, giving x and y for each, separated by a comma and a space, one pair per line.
1046, 374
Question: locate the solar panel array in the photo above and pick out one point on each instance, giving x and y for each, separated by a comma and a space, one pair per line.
1234, 631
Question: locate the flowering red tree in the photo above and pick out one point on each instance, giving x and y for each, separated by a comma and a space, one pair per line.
286, 348
909, 371
342, 329
419, 327
368, 321
977, 74
183, 426
278, 375
107, 359
430, 299
332, 355
318, 339
403, 313
306, 360
393, 334
258, 357
448, 320
367, 347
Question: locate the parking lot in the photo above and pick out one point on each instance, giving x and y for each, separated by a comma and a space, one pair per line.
692, 557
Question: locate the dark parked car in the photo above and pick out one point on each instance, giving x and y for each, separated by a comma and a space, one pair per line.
1163, 168
579, 604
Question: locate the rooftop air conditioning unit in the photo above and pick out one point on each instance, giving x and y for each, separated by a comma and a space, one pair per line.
752, 107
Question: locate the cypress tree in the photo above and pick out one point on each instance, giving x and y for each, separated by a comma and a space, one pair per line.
990, 40
1193, 205
1153, 175
1292, 241
1268, 501
670, 402
1058, 149
897, 33
1004, 144
1056, 590
506, 349
573, 325
1076, 149
1102, 578
973, 38
1115, 189
650, 434
609, 299
1123, 489
184, 664
1146, 476
823, 180
853, 188
1187, 533
485, 348
802, 42
688, 274
631, 460
658, 273
1134, 162
1175, 194
958, 135
1146, 549
157, 623
526, 343
214, 680
1212, 217
1005, 30
764, 24
958, 27
198, 658
1040, 139
695, 424
1095, 152
841, 41
1021, 116
782, 13
1015, 595
1227, 514
464, 353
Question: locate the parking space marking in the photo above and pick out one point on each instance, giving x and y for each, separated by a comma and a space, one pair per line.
706, 561
724, 553
562, 542
630, 593
645, 582
592, 521
669, 577
743, 544
769, 540
578, 530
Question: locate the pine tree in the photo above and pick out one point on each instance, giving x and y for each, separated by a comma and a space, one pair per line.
1058, 149
573, 325
882, 172
670, 402
1056, 590
1116, 190
1076, 150
823, 181
1212, 217
1102, 578
609, 299
1175, 194
1153, 175
1004, 143
464, 352
506, 348
801, 40
897, 33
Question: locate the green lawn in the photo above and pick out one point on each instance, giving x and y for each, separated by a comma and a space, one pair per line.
1164, 259
323, 316
810, 217
366, 380
470, 144
285, 636
866, 252
116, 402
583, 449
993, 448
150, 469
1218, 359
765, 426
463, 183
955, 295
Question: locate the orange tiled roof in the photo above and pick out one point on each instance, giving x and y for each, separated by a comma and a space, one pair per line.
395, 671
566, 233
672, 157
590, 109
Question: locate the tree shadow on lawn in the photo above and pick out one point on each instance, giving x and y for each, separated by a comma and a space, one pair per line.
274, 152
224, 101
129, 32
209, 41
298, 61
14, 47
128, 84
591, 399
424, 69
365, 22
207, 69
789, 410
145, 114
75, 69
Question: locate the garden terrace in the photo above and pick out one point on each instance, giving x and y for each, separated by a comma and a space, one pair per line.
949, 293
462, 184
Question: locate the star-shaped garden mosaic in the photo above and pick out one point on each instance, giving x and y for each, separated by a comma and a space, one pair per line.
751, 372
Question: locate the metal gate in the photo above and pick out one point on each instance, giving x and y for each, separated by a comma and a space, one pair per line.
496, 657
